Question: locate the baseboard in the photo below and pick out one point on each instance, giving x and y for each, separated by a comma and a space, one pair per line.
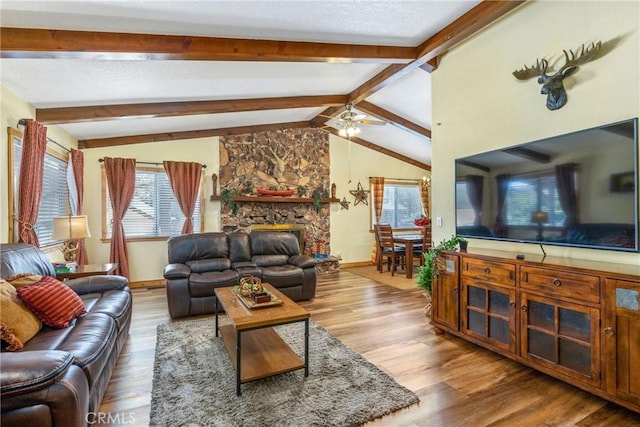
356, 264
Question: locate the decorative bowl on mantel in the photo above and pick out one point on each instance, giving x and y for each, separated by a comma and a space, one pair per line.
422, 221
283, 193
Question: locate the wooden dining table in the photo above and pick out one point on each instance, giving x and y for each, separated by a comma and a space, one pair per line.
408, 240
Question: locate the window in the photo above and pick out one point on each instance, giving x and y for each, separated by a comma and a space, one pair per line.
401, 204
154, 210
55, 194
530, 193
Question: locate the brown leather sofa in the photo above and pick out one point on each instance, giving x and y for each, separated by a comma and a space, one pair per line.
198, 263
60, 376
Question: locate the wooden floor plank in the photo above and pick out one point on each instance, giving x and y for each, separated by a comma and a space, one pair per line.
459, 384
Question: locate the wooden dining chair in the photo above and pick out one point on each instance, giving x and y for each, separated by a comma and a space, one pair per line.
427, 243
387, 249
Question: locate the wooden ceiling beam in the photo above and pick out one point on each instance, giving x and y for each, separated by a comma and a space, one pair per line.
48, 43
427, 52
173, 136
170, 109
321, 119
474, 20
430, 66
481, 16
393, 119
382, 150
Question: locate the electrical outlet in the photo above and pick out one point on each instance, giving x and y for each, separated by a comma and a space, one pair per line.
439, 221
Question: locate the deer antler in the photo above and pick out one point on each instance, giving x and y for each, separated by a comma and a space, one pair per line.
527, 72
282, 158
584, 56
552, 84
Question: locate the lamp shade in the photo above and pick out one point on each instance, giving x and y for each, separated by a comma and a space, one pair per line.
70, 227
540, 217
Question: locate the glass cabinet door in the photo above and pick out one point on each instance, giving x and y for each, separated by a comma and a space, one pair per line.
489, 314
561, 335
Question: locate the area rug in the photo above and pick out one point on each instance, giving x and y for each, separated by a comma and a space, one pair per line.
398, 280
194, 383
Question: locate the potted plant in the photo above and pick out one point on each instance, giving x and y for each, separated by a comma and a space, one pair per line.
429, 270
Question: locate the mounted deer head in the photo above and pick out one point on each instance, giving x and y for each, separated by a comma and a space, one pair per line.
552, 85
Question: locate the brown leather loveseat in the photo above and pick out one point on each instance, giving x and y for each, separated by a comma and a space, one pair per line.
198, 263
60, 375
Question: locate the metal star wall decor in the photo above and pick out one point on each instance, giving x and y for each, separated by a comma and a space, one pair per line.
360, 194
344, 204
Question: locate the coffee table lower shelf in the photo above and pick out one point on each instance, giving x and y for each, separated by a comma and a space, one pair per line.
264, 353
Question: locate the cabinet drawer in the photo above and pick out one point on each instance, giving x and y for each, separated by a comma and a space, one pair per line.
487, 271
561, 283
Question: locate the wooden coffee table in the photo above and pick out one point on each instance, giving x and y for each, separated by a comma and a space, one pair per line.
255, 349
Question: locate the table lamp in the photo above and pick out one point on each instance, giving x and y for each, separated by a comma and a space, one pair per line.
539, 217
70, 228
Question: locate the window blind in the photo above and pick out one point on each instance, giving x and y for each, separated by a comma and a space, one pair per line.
154, 210
55, 193
401, 204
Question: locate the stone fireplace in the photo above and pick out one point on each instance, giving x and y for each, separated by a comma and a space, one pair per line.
295, 160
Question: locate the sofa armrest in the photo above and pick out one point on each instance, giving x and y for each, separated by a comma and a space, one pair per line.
30, 370
176, 271
99, 283
43, 388
302, 261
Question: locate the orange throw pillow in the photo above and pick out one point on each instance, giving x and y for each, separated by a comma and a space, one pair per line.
52, 301
17, 323
23, 279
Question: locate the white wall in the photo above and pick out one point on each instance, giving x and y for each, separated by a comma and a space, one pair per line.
350, 233
479, 106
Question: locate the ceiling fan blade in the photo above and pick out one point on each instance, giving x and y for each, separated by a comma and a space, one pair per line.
372, 122
351, 116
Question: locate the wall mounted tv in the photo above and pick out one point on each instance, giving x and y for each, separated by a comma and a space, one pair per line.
578, 189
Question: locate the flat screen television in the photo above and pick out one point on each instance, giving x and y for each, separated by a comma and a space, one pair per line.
578, 189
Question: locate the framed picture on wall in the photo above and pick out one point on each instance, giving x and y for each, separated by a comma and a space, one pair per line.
622, 182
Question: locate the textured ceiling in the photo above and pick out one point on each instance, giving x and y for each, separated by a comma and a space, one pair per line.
56, 82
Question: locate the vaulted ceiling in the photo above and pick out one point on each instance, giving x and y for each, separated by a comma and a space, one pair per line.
123, 72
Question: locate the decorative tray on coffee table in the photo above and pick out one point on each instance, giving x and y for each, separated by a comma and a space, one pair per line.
250, 303
253, 294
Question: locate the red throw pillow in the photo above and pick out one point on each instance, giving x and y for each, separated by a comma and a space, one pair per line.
52, 301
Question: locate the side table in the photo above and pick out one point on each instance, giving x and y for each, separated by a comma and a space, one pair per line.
84, 270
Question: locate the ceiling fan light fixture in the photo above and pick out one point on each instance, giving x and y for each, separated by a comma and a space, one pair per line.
348, 130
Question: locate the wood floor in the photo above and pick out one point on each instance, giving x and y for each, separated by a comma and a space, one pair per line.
459, 384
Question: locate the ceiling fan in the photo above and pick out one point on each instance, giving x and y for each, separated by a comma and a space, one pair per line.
347, 122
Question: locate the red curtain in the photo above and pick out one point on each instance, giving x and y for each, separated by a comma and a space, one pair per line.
377, 182
121, 182
378, 192
185, 180
34, 147
77, 162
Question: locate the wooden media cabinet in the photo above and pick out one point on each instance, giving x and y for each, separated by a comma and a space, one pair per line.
578, 321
